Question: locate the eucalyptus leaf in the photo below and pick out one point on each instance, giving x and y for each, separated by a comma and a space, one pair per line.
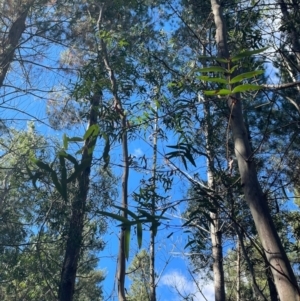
65, 141
247, 53
42, 165
217, 92
245, 75
139, 232
213, 79
213, 69
246, 87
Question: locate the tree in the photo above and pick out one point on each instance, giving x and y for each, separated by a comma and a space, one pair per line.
139, 273
284, 278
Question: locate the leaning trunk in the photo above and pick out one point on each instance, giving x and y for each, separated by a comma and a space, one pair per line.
283, 275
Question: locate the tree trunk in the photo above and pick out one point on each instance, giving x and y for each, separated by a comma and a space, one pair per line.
215, 232
122, 255
11, 42
238, 271
284, 277
153, 208
217, 255
74, 240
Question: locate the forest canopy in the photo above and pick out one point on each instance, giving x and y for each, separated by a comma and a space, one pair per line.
149, 150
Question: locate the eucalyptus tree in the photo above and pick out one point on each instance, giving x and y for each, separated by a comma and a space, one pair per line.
235, 34
104, 50
284, 277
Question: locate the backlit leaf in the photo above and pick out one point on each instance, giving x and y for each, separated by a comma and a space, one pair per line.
245, 75
246, 87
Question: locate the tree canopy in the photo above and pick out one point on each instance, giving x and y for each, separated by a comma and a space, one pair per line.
149, 149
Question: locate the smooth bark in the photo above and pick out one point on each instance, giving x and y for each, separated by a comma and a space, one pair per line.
215, 231
283, 275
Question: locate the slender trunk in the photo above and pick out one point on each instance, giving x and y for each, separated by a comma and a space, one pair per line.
217, 255
283, 275
215, 231
11, 42
238, 271
122, 255
74, 240
153, 208
124, 126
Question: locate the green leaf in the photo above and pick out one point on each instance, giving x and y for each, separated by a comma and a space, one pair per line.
42, 165
213, 69
65, 141
245, 75
246, 87
189, 243
71, 159
184, 161
209, 58
93, 131
190, 158
221, 60
127, 241
115, 216
58, 185
139, 232
213, 79
247, 53
174, 154
152, 218
126, 211
75, 139
217, 92
63, 181
233, 69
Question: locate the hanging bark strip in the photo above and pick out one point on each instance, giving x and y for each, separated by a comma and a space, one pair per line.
284, 278
74, 240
